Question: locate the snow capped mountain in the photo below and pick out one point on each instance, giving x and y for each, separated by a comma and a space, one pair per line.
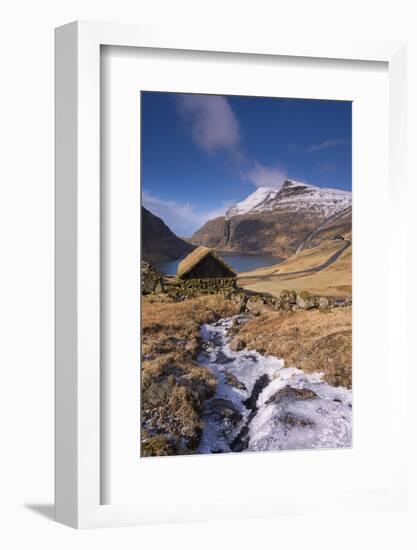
256, 202
293, 197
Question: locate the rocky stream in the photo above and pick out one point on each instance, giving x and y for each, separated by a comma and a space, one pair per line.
261, 405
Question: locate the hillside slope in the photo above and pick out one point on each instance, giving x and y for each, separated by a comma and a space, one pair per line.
298, 272
159, 243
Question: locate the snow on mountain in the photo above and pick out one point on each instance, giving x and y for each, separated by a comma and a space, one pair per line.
256, 202
292, 197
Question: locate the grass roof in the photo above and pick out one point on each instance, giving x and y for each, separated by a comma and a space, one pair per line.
195, 257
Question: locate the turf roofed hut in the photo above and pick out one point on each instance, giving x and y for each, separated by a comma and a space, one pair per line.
203, 269
203, 263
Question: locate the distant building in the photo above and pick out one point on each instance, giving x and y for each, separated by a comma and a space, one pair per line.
203, 263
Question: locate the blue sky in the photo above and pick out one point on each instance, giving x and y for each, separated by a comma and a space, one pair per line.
202, 153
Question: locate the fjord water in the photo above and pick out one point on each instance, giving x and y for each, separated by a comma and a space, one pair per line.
240, 263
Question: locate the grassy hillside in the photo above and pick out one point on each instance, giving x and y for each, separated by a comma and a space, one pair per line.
335, 280
313, 341
306, 259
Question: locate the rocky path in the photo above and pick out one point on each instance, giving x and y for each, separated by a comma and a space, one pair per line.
262, 405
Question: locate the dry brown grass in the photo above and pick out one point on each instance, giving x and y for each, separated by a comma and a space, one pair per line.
313, 341
335, 280
174, 387
306, 259
310, 258
174, 327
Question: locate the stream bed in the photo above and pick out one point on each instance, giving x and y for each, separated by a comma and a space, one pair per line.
261, 405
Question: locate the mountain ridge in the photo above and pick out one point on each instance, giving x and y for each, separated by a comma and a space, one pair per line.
294, 193
159, 243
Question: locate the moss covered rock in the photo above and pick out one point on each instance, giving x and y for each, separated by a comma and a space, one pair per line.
151, 279
305, 300
287, 299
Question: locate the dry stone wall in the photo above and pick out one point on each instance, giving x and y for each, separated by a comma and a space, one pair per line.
154, 282
193, 288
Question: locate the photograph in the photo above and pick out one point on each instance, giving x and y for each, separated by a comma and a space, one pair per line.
245, 275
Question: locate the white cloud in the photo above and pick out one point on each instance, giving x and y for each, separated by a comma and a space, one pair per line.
214, 125
326, 144
266, 176
183, 218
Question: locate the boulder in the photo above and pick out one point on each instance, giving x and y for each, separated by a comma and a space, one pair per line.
305, 300
292, 394
287, 299
151, 279
324, 302
260, 303
233, 381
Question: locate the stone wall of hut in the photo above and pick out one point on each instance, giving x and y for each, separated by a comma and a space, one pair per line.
154, 282
191, 288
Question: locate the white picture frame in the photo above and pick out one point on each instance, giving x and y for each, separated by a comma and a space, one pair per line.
78, 426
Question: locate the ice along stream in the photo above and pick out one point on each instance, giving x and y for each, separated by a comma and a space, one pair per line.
262, 405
